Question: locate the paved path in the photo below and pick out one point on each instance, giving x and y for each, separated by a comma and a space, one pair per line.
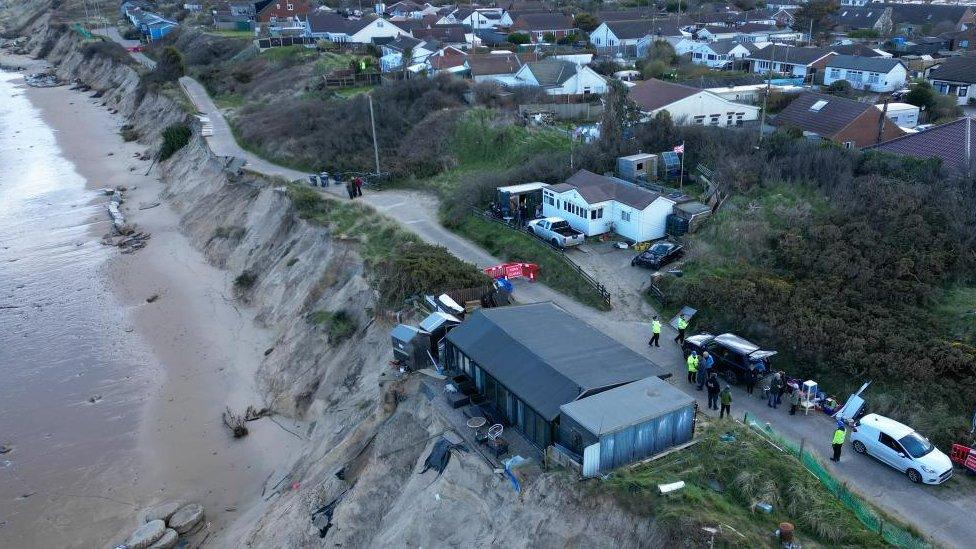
945, 514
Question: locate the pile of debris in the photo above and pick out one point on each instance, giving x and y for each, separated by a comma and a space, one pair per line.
164, 524
42, 80
125, 236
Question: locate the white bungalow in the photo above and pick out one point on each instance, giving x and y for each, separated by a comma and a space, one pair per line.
596, 204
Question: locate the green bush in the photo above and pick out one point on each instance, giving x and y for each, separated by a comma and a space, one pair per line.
518, 38
339, 325
175, 137
245, 281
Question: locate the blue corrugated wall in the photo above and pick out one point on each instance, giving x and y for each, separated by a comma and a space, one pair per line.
646, 439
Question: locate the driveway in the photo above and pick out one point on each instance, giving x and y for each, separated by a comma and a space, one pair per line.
945, 514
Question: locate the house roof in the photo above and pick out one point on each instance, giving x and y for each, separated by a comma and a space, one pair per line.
858, 17
654, 94
546, 356
552, 72
921, 14
543, 22
630, 404
487, 64
454, 34
807, 113
758, 27
870, 64
403, 42
596, 188
327, 21
955, 69
727, 45
626, 14
629, 30
946, 141
856, 49
447, 58
790, 54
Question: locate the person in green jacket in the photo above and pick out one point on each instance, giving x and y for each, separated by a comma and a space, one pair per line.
840, 434
692, 366
726, 400
655, 332
682, 325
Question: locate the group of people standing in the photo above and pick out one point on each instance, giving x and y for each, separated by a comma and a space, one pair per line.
355, 187
700, 373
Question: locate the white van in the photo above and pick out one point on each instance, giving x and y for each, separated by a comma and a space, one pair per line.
902, 448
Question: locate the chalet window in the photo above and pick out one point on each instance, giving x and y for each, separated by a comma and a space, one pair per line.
848, 144
291, 7
700, 119
624, 215
873, 78
963, 91
714, 119
599, 213
835, 73
711, 57
597, 41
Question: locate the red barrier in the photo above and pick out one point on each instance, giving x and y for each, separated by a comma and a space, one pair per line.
513, 270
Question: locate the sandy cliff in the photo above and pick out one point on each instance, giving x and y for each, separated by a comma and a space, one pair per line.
370, 429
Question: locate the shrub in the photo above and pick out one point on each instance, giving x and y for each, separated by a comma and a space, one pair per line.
175, 137
131, 33
518, 38
420, 269
339, 325
245, 281
129, 133
107, 50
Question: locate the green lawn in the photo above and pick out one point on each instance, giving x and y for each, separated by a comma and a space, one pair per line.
352, 91
249, 35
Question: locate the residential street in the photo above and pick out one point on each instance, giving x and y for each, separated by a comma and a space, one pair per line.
943, 513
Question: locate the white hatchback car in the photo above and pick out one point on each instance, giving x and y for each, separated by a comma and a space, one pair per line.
902, 448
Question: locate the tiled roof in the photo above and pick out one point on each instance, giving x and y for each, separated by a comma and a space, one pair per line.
544, 22
488, 64
858, 17
922, 14
725, 46
444, 33
947, 142
870, 64
654, 94
552, 72
831, 117
856, 49
600, 188
629, 30
790, 54
332, 22
955, 69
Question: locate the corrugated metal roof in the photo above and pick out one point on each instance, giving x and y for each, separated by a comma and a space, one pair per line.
546, 356
627, 405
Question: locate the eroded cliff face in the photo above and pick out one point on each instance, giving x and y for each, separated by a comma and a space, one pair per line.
371, 427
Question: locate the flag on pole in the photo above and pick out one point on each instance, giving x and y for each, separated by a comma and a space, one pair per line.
680, 149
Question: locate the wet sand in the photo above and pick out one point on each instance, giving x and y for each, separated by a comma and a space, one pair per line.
204, 350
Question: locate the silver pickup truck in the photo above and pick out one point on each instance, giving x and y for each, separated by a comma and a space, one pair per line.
556, 231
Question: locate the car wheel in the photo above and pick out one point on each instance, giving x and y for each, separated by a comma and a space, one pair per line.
633, 262
914, 476
859, 447
555, 243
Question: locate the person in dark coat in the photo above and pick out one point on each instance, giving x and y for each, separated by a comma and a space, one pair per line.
750, 379
713, 389
350, 190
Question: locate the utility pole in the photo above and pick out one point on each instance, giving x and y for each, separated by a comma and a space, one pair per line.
762, 116
372, 122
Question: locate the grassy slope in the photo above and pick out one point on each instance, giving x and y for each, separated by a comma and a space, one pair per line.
749, 470
480, 146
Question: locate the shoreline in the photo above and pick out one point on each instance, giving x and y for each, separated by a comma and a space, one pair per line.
207, 346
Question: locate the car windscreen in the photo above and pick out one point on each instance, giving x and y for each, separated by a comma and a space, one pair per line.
916, 445
660, 249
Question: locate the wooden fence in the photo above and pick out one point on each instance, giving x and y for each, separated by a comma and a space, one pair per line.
560, 253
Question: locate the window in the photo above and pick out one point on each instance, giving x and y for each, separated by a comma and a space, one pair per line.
891, 443
586, 90
848, 144
700, 119
711, 57
916, 445
835, 73
291, 7
624, 215
714, 119
557, 204
597, 41
963, 91
640, 165
855, 76
873, 78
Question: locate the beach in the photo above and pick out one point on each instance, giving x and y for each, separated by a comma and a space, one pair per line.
181, 350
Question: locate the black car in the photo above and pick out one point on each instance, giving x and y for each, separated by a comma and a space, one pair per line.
658, 255
734, 356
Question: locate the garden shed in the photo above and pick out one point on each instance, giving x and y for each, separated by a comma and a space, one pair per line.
626, 424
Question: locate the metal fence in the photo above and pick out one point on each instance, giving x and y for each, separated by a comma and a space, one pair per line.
892, 533
604, 293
